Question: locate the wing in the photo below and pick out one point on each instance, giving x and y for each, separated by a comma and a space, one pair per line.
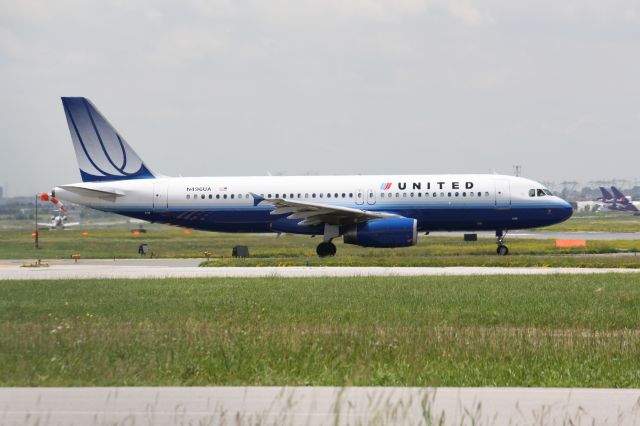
316, 213
45, 225
66, 225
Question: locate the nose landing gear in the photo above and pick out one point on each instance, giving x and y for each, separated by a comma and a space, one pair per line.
502, 250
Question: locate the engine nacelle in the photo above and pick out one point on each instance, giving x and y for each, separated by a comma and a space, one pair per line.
392, 232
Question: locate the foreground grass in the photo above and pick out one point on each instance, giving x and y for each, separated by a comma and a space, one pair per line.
435, 331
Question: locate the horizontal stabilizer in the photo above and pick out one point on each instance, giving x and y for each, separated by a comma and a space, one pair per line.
103, 194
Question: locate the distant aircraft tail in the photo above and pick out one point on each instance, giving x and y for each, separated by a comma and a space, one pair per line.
620, 197
102, 154
606, 195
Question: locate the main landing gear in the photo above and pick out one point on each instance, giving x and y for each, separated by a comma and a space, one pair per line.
502, 250
326, 248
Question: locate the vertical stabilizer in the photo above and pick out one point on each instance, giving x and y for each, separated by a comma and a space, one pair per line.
101, 152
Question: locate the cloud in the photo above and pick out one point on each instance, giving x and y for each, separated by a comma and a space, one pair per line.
465, 12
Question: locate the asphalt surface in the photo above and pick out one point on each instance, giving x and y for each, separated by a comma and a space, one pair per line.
318, 406
187, 268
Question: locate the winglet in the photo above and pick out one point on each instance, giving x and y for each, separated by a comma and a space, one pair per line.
256, 199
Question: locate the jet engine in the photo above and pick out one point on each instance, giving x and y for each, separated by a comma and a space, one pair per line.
391, 232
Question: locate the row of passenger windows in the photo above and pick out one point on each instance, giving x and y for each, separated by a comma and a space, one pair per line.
344, 195
218, 196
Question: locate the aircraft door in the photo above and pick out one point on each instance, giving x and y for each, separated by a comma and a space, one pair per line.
160, 196
503, 194
371, 197
359, 196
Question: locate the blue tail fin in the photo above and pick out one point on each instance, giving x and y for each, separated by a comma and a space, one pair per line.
620, 197
101, 152
606, 195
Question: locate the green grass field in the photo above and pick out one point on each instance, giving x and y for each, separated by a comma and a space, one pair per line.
435, 331
598, 222
300, 250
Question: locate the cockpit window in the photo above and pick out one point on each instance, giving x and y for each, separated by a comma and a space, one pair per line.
532, 193
541, 193
546, 191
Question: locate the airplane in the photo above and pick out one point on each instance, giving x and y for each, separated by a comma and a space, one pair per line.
58, 221
623, 202
606, 198
369, 211
617, 201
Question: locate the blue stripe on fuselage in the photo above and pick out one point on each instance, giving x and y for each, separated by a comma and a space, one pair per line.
440, 218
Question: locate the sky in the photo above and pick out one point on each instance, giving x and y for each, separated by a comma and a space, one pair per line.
244, 87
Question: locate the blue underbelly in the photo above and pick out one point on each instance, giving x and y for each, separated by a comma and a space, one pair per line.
429, 219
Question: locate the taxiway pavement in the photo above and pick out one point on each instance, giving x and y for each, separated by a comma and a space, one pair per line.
318, 405
187, 268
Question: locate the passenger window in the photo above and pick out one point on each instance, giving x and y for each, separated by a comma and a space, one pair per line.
442, 194
232, 196
486, 194
404, 194
217, 196
448, 194
412, 194
313, 195
224, 196
202, 196
269, 195
397, 194
344, 195
457, 194
464, 194
210, 196
419, 194
239, 195
328, 195
479, 194
471, 194
351, 195
188, 196
290, 195
435, 194
532, 193
299, 195
306, 195
320, 195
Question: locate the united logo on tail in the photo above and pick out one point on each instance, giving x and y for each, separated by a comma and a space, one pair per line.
101, 152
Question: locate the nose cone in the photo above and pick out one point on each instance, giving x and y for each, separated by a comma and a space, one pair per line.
564, 210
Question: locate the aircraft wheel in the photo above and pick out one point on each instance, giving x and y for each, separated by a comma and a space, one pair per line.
326, 249
502, 250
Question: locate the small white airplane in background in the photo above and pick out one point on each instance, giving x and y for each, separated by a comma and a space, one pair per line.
369, 211
58, 221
